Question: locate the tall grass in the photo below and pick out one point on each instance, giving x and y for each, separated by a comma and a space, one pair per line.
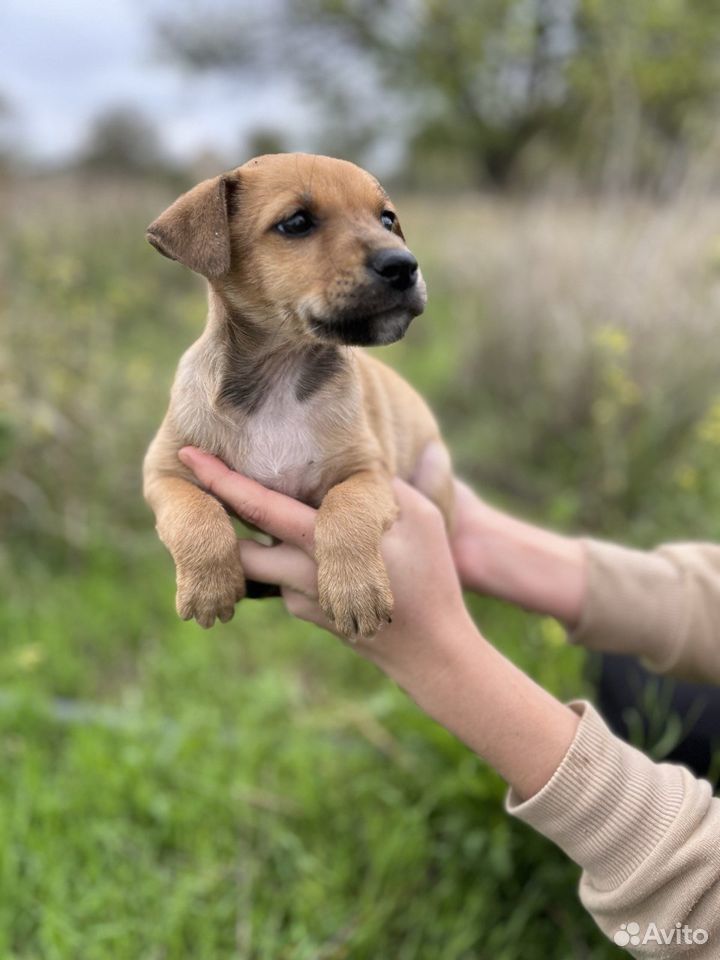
582, 370
257, 791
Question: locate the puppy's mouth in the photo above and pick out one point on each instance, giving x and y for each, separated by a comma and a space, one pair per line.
360, 327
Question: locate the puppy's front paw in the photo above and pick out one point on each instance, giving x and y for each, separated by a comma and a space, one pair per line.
355, 596
210, 589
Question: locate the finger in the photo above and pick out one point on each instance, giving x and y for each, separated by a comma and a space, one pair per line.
280, 516
463, 489
304, 608
284, 565
432, 467
465, 497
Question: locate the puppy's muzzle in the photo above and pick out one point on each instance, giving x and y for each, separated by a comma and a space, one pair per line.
380, 306
397, 268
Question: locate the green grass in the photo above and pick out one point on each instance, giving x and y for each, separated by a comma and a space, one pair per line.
257, 791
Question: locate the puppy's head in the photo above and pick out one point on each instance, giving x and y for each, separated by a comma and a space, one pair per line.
308, 245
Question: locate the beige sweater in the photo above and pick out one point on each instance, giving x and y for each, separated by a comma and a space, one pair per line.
646, 835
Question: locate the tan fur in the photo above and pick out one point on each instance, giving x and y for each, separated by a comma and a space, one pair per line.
337, 449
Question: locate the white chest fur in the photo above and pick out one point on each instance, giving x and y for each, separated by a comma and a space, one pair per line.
284, 443
279, 446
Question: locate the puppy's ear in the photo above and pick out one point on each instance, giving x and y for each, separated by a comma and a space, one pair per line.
195, 229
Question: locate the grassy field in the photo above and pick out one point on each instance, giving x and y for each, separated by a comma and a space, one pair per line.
256, 791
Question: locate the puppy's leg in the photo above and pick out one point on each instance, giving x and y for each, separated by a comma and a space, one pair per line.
200, 536
353, 585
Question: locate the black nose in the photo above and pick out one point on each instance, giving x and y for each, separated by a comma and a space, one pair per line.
398, 268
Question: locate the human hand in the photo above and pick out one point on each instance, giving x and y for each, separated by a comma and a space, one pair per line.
503, 557
428, 599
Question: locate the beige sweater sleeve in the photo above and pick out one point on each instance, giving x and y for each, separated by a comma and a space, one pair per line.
662, 606
647, 837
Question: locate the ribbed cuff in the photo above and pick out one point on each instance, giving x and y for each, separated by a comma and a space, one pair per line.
607, 805
635, 604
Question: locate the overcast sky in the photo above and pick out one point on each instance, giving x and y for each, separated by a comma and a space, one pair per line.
62, 62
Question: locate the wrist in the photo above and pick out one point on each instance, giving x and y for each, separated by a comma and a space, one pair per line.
515, 561
430, 652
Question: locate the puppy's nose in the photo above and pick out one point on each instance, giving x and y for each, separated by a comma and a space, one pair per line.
398, 268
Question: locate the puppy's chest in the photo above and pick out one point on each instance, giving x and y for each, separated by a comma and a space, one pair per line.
280, 445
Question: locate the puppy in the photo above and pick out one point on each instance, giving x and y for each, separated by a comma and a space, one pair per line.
305, 262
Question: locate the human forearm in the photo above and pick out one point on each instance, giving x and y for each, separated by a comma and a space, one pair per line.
660, 605
465, 684
645, 834
516, 561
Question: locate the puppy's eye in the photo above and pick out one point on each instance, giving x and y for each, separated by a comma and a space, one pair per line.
388, 219
298, 225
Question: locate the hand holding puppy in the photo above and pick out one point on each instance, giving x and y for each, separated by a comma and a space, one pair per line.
428, 597
432, 648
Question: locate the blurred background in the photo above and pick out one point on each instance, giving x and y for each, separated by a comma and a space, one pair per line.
257, 791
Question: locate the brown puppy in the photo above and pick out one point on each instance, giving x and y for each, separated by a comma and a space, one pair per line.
305, 261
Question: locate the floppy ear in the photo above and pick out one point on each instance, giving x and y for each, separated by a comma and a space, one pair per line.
195, 230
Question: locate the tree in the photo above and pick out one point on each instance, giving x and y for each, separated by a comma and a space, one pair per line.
611, 84
263, 140
8, 135
644, 82
123, 141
